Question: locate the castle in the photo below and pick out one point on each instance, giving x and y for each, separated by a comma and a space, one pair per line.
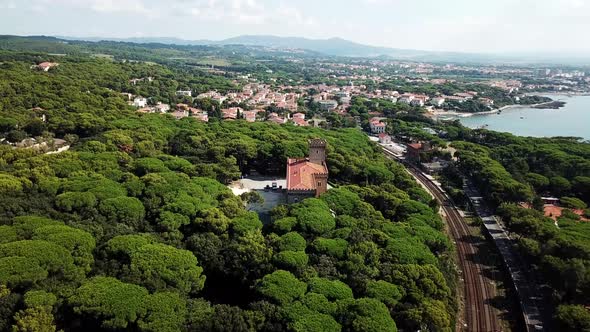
308, 177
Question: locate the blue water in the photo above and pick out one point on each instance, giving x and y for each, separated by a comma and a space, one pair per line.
571, 120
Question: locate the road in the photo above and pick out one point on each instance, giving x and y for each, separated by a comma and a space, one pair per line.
479, 292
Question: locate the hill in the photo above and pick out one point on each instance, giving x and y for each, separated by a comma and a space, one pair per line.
346, 48
332, 46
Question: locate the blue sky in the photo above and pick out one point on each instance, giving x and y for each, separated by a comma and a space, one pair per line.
490, 26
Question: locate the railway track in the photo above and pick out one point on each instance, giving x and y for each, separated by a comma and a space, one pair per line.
479, 314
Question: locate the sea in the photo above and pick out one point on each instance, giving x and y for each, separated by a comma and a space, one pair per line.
571, 120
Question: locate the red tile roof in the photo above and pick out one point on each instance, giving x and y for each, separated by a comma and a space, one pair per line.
47, 65
300, 122
231, 113
301, 174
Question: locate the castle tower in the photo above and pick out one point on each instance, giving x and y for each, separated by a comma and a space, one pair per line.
317, 151
321, 183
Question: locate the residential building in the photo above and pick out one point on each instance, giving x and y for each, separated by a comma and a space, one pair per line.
417, 102
187, 93
455, 99
465, 95
342, 94
231, 113
308, 177
162, 108
45, 66
347, 100
376, 126
219, 99
384, 138
487, 101
328, 105
193, 110
275, 118
416, 149
299, 122
406, 99
299, 116
202, 116
180, 113
182, 107
437, 101
140, 102
250, 116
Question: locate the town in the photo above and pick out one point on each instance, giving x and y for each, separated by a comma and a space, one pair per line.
418, 86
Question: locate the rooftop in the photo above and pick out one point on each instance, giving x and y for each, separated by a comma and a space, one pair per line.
415, 146
301, 174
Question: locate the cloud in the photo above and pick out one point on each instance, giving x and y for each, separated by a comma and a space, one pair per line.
380, 2
7, 4
99, 6
466, 25
117, 6
248, 12
292, 15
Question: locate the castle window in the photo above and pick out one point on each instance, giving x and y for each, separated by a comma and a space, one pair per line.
319, 184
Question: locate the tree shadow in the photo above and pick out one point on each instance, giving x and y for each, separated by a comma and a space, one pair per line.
493, 270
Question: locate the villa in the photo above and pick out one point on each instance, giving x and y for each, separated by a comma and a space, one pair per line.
308, 177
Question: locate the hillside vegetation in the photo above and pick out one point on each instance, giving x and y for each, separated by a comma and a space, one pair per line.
134, 229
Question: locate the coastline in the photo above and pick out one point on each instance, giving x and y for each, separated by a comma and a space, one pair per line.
571, 120
438, 113
564, 94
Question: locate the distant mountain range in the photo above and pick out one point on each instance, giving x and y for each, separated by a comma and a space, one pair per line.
346, 48
332, 46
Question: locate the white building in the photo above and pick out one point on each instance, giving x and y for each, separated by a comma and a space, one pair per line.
384, 138
417, 102
187, 93
437, 101
342, 94
376, 126
180, 114
162, 108
406, 99
140, 102
328, 105
487, 101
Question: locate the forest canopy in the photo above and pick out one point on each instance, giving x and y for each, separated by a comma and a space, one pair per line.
134, 228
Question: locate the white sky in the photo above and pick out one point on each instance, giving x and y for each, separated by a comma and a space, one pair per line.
488, 26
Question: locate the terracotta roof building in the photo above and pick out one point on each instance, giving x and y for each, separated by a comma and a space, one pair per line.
45, 66
308, 177
376, 126
299, 122
231, 113
384, 138
180, 114
416, 149
250, 116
